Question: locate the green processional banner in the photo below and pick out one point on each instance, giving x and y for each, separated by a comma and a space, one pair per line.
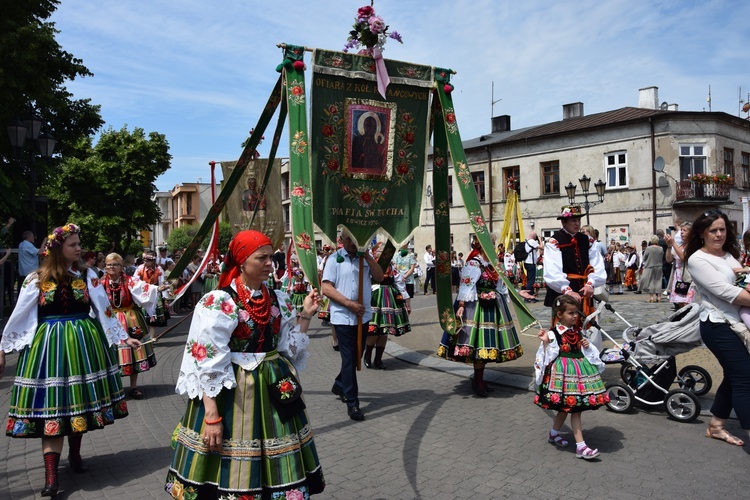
368, 154
448, 140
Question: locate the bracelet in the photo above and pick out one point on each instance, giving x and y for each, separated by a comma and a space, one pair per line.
213, 422
302, 316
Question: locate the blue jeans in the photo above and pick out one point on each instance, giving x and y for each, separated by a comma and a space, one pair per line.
347, 377
734, 390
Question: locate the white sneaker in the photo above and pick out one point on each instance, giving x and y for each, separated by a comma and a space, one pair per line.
665, 293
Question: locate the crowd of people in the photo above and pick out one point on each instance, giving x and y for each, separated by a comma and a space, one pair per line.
247, 340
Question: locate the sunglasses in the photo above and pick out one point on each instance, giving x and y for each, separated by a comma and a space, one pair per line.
710, 213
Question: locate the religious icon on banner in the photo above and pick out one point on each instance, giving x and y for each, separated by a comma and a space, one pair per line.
369, 137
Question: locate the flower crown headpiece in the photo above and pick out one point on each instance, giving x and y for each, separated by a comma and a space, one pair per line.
58, 235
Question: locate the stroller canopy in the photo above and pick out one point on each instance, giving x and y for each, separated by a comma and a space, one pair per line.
679, 333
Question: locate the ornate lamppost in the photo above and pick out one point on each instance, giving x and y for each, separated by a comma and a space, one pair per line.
19, 131
585, 181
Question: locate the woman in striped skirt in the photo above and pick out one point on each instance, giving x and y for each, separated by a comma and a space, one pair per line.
488, 334
127, 295
245, 433
67, 378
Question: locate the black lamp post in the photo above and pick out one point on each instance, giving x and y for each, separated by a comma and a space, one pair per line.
585, 181
18, 132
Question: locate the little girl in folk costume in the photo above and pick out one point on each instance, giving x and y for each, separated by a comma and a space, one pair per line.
300, 288
567, 369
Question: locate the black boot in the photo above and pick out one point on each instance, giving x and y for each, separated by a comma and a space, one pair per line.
74, 455
51, 462
368, 356
378, 363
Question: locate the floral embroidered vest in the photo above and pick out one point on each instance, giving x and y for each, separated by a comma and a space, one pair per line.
59, 300
250, 337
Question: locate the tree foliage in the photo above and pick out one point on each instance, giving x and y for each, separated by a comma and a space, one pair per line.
182, 236
110, 191
34, 70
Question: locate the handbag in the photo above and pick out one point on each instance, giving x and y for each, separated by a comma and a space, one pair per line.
286, 396
682, 288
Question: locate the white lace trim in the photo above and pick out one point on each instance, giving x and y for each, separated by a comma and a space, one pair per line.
293, 346
15, 341
210, 384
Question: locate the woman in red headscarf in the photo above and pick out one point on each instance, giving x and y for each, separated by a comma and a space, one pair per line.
487, 334
238, 370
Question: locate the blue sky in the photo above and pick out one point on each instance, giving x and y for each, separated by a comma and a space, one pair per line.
200, 72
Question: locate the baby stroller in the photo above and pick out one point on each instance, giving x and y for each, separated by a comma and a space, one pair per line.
649, 367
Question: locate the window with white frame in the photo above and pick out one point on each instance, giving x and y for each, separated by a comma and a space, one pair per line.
692, 160
616, 165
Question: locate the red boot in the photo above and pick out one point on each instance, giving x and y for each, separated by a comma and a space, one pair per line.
51, 462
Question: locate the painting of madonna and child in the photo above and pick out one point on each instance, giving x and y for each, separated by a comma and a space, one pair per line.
369, 136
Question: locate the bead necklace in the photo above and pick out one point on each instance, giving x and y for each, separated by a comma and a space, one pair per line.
259, 310
113, 290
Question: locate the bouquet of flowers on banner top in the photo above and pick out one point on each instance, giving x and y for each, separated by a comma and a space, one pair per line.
369, 31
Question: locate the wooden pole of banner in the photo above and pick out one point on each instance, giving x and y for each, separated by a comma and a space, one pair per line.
359, 318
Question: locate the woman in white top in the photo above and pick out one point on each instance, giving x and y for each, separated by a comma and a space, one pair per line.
712, 250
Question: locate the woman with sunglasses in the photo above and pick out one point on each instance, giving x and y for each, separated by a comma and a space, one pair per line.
712, 250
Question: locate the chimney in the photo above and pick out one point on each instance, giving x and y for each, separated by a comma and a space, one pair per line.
501, 123
648, 98
673, 107
572, 110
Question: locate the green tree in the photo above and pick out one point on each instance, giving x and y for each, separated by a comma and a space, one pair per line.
34, 70
180, 237
109, 193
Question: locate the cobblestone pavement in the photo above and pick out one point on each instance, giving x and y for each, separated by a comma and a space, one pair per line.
426, 434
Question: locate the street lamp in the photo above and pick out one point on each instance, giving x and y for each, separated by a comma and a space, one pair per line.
18, 132
585, 181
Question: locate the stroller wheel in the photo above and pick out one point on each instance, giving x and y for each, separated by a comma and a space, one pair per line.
621, 398
695, 379
682, 406
627, 372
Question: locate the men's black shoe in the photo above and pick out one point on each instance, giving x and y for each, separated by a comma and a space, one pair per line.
338, 391
638, 292
355, 413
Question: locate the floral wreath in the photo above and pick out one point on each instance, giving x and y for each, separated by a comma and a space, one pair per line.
58, 235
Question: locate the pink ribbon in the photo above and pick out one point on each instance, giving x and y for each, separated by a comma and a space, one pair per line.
380, 71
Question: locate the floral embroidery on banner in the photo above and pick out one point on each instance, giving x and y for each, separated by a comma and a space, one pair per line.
296, 92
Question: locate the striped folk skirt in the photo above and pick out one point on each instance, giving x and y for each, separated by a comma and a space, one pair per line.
488, 335
389, 314
67, 381
571, 384
140, 359
261, 456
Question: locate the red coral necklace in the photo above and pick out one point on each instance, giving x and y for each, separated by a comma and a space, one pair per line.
259, 310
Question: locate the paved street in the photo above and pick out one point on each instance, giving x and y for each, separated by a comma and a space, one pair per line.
426, 434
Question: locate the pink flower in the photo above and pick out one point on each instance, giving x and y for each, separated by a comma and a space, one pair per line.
298, 191
377, 25
592, 400
555, 398
227, 307
199, 351
294, 495
243, 315
275, 311
333, 109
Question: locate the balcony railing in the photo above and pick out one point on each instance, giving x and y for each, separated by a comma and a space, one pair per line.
688, 190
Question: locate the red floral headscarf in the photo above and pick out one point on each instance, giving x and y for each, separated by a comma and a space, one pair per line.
242, 246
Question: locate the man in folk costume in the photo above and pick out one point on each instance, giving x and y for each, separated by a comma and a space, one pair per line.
572, 264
